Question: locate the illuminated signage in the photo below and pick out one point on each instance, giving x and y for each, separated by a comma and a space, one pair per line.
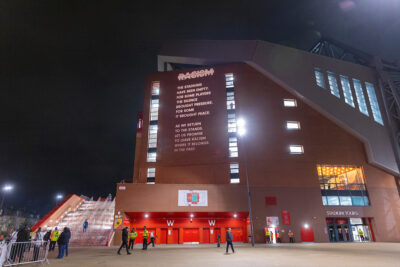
192, 198
195, 74
342, 213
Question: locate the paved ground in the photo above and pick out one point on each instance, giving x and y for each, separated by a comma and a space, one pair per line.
350, 254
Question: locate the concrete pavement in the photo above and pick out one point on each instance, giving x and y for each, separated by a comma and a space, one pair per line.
307, 254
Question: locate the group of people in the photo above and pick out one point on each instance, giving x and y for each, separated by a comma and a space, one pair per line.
128, 239
269, 236
24, 238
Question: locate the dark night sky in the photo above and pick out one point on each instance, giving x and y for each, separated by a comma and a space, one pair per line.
72, 75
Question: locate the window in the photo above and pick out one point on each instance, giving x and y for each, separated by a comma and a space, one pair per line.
374, 103
319, 77
342, 185
289, 102
151, 156
296, 149
333, 84
292, 125
362, 106
234, 173
348, 96
230, 107
153, 125
153, 136
151, 175
233, 147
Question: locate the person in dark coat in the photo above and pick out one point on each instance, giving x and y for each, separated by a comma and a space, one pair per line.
125, 235
62, 242
19, 249
229, 240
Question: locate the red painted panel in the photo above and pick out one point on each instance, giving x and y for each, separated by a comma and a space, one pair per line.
285, 217
163, 236
206, 235
191, 235
270, 201
175, 236
237, 234
217, 231
307, 234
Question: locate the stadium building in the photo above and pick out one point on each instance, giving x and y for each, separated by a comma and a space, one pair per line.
249, 134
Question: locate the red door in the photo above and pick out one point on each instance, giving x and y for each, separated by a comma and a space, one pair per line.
217, 231
163, 238
237, 234
206, 235
307, 234
175, 236
190, 235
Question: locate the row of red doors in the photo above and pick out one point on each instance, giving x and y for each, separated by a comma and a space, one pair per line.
190, 235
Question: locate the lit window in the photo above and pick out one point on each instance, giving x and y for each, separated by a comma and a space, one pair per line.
292, 125
232, 123
362, 106
234, 173
233, 147
151, 175
333, 84
374, 103
154, 105
319, 77
342, 185
289, 102
230, 100
229, 80
151, 156
348, 96
153, 136
296, 149
155, 90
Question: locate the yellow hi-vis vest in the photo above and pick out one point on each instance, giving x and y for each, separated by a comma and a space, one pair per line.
54, 236
267, 233
133, 235
360, 232
145, 234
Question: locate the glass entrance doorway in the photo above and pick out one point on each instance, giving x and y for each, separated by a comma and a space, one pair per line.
348, 230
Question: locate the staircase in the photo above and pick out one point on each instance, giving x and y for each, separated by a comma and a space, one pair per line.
99, 215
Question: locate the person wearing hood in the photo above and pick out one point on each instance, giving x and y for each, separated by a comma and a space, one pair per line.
63, 242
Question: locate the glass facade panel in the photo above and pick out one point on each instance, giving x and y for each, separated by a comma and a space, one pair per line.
296, 149
348, 95
362, 105
292, 125
333, 200
324, 201
230, 107
347, 183
376, 113
333, 84
319, 77
234, 173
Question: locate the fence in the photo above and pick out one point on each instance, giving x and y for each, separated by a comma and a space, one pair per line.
16, 253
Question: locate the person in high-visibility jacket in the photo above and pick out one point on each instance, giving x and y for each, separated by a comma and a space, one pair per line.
267, 235
278, 237
53, 239
361, 234
132, 237
145, 237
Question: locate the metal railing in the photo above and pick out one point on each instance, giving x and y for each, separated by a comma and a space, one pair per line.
17, 253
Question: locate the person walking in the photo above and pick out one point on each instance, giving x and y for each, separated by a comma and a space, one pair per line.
132, 237
53, 239
271, 240
291, 236
125, 234
229, 240
218, 240
38, 241
145, 237
152, 239
85, 225
361, 234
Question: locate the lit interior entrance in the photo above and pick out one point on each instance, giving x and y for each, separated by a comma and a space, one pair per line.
348, 230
